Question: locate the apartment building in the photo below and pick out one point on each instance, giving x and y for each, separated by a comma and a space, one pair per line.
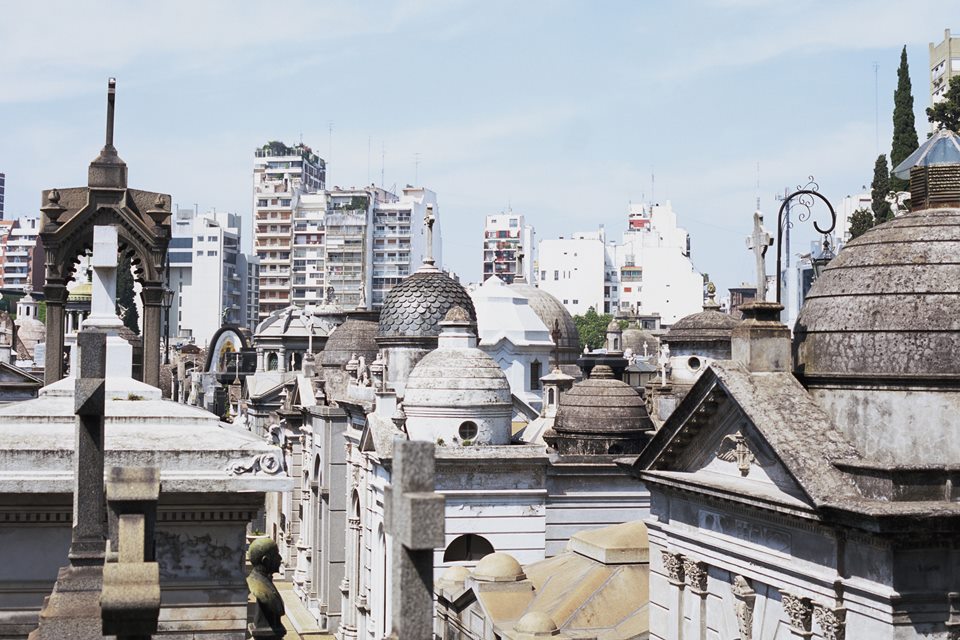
3, 188
504, 236
22, 256
209, 275
648, 272
282, 175
944, 64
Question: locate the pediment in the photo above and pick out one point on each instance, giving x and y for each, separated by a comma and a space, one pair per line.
718, 446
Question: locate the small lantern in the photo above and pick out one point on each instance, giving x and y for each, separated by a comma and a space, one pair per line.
821, 260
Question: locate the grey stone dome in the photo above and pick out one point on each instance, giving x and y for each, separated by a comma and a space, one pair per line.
888, 306
465, 377
415, 307
355, 336
709, 325
552, 312
634, 337
601, 405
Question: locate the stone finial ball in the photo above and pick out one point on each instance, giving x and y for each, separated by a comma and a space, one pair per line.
260, 549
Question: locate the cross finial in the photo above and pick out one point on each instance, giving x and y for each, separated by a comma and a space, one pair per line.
758, 242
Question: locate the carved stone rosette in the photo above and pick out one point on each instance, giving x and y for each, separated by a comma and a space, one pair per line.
695, 575
800, 612
673, 565
745, 597
832, 621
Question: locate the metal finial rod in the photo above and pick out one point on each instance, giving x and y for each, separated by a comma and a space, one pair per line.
428, 219
805, 197
111, 99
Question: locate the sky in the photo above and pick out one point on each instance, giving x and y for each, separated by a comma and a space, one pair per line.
563, 111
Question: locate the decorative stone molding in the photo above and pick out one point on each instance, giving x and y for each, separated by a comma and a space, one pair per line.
673, 565
832, 621
695, 575
953, 622
800, 612
746, 598
268, 463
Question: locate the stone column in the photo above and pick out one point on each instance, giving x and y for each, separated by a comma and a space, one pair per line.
673, 570
152, 297
695, 578
260, 365
282, 359
55, 293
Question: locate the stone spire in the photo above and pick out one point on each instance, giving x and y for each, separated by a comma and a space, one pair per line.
108, 171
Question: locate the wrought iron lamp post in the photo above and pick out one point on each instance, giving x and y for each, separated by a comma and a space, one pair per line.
167, 303
805, 196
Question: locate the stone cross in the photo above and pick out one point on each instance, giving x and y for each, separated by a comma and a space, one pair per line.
308, 319
758, 242
414, 516
89, 515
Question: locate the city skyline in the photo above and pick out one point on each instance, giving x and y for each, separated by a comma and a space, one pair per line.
563, 112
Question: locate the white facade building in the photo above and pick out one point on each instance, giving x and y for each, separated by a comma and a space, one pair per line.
504, 235
512, 333
19, 247
944, 64
648, 272
208, 274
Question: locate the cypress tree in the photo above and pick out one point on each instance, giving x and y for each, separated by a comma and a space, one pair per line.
879, 189
126, 307
904, 128
860, 222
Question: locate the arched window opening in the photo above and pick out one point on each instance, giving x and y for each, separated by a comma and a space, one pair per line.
272, 362
551, 396
536, 372
467, 548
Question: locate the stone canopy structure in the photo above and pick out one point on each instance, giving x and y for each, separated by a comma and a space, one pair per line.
142, 221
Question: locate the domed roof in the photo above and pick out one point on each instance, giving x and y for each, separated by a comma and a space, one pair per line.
355, 336
499, 567
888, 305
711, 324
552, 312
415, 307
601, 404
83, 292
456, 573
634, 337
536, 622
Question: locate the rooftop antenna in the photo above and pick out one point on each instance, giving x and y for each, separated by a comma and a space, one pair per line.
876, 106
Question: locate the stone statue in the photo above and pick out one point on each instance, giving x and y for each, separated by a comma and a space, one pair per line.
363, 372
664, 361
265, 560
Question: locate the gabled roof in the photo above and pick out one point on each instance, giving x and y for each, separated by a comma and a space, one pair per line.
775, 417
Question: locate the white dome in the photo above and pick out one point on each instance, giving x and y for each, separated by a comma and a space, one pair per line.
458, 393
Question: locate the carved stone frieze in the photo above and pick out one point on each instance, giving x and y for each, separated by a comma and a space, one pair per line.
673, 565
799, 611
745, 599
268, 463
832, 621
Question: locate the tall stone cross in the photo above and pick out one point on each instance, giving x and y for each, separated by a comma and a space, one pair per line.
414, 516
758, 242
103, 303
89, 511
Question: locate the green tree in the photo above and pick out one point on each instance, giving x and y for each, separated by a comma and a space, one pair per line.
42, 311
126, 307
860, 222
904, 127
879, 189
946, 113
592, 328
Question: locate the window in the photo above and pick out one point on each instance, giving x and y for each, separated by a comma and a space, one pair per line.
468, 430
536, 372
543, 275
467, 548
575, 301
211, 253
694, 363
556, 275
212, 238
199, 253
199, 238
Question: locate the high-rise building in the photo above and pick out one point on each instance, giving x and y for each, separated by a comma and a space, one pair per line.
209, 275
504, 236
282, 175
22, 256
648, 272
944, 64
3, 188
